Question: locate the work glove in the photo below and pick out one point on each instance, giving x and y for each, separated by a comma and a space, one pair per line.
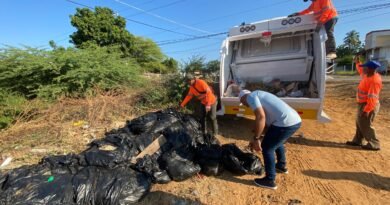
292, 15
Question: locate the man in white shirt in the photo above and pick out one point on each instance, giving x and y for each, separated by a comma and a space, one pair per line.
282, 122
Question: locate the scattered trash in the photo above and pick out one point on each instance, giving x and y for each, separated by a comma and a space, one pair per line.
274, 86
232, 90
104, 174
298, 93
6, 162
36, 150
50, 179
80, 123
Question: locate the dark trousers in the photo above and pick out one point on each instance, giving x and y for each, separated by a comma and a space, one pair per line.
330, 43
364, 128
212, 115
272, 143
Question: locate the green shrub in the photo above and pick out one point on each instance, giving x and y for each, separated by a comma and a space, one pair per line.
11, 106
346, 60
70, 72
168, 92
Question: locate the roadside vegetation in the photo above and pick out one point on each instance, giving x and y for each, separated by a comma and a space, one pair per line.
105, 60
346, 52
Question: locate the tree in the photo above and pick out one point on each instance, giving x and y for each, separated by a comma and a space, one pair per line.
195, 63
171, 64
101, 27
213, 66
350, 47
352, 42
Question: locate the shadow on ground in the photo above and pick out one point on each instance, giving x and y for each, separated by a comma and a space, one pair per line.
367, 179
236, 127
226, 176
163, 198
319, 143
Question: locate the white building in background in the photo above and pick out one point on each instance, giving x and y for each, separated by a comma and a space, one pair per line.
378, 48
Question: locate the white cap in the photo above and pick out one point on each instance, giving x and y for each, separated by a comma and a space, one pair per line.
242, 93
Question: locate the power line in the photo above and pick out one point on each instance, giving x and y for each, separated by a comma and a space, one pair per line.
192, 49
365, 8
347, 11
159, 7
241, 12
189, 39
175, 41
135, 21
364, 18
359, 3
234, 14
162, 18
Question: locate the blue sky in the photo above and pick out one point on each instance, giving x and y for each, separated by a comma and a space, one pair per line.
34, 23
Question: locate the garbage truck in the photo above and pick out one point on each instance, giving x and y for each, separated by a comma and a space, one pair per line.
285, 56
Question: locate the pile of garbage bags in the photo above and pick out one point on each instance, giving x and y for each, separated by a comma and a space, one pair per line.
103, 174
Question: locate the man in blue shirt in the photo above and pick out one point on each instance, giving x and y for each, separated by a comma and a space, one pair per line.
281, 120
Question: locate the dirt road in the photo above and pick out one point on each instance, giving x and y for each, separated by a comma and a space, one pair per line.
322, 169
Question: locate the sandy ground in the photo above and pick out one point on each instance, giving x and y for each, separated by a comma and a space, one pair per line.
322, 169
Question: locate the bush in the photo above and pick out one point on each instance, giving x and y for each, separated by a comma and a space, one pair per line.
70, 72
11, 105
168, 92
346, 60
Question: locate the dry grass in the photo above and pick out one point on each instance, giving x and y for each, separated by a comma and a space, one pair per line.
66, 126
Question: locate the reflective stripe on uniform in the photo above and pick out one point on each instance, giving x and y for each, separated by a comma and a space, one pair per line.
362, 92
372, 96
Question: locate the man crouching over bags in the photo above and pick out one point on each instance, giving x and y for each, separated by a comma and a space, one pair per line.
282, 122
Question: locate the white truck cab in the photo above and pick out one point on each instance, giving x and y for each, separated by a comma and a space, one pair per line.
284, 49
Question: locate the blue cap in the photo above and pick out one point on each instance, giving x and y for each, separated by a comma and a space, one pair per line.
371, 64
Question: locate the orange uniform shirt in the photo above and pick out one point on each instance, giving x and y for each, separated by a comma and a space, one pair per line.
202, 92
368, 89
323, 10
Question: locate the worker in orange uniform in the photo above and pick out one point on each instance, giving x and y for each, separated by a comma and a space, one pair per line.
326, 15
368, 105
205, 95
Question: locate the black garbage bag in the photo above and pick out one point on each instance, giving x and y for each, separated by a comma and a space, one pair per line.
106, 158
145, 139
177, 137
239, 162
63, 164
121, 140
214, 151
36, 185
142, 124
101, 174
150, 166
209, 157
193, 128
179, 164
210, 167
121, 185
164, 120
